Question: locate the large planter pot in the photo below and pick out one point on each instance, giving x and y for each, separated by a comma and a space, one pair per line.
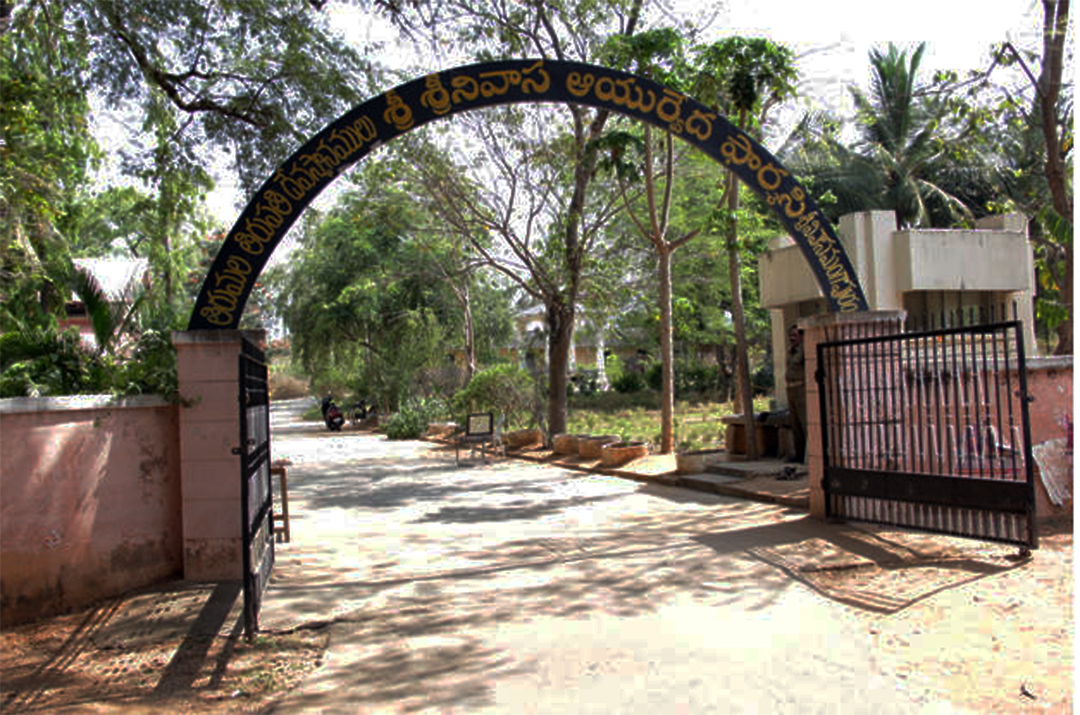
566, 443
616, 454
522, 438
590, 447
693, 462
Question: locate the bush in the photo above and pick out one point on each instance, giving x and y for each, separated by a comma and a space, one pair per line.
628, 382
504, 389
762, 381
46, 362
654, 375
614, 368
412, 419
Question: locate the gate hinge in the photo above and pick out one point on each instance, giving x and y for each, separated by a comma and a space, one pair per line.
240, 450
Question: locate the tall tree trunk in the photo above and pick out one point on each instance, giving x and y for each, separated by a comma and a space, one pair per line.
667, 391
470, 334
1047, 96
744, 391
560, 322
601, 361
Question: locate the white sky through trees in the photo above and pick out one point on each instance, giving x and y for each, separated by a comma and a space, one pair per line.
830, 37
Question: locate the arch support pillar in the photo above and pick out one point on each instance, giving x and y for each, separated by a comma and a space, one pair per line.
207, 364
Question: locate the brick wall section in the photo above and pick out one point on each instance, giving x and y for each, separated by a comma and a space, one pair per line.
91, 501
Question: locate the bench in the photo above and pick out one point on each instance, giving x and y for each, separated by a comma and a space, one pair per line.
481, 430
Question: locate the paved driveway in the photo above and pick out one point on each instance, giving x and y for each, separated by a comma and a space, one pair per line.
520, 588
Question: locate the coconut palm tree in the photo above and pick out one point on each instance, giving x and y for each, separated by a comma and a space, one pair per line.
914, 154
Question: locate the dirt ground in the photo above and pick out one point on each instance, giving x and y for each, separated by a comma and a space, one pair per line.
153, 652
180, 648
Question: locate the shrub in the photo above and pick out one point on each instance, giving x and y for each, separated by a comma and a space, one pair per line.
504, 389
628, 382
654, 375
762, 381
585, 382
46, 362
412, 419
613, 368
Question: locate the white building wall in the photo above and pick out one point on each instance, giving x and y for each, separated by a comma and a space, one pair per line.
916, 270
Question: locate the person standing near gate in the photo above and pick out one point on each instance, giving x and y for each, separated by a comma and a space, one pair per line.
795, 379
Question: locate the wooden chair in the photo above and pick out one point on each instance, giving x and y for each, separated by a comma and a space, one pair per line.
481, 430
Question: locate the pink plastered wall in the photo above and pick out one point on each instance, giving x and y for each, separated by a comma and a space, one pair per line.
1050, 386
89, 501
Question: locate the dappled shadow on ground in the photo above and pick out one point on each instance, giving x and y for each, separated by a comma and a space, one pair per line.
175, 648
439, 556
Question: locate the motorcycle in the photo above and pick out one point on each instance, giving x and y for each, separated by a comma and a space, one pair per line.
332, 415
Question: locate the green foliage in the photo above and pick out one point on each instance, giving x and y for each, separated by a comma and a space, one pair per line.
413, 417
654, 375
628, 382
150, 367
43, 362
506, 390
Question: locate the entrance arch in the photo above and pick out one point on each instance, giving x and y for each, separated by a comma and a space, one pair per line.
295, 184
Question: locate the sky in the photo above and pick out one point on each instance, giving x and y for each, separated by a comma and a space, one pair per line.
831, 37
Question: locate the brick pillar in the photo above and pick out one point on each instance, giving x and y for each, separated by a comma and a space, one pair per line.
826, 328
207, 362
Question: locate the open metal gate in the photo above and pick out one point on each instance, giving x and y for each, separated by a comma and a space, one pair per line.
930, 431
256, 496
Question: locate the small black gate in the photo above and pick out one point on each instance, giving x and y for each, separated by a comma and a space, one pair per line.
930, 431
256, 497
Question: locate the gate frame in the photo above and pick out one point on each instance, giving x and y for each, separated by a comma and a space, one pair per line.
255, 463
1018, 497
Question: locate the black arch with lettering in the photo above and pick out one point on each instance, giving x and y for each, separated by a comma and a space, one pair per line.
282, 199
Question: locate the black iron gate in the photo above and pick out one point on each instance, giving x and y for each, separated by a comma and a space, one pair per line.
256, 496
930, 431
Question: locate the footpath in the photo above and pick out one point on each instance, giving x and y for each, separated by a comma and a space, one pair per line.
956, 626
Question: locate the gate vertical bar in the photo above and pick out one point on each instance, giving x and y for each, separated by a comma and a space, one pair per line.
256, 490
1025, 425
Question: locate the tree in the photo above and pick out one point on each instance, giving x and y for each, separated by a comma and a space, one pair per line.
656, 54
1051, 111
360, 300
46, 154
191, 83
563, 30
745, 77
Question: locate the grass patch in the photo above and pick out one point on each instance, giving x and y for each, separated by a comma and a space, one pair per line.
636, 416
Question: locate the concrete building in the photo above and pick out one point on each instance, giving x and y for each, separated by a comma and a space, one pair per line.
920, 271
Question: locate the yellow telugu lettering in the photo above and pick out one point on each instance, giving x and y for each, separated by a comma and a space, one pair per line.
397, 112
580, 84
435, 96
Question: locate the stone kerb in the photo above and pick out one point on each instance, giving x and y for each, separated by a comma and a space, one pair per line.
207, 364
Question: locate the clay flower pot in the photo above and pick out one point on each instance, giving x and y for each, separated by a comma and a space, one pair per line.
693, 462
590, 447
566, 443
616, 454
522, 438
